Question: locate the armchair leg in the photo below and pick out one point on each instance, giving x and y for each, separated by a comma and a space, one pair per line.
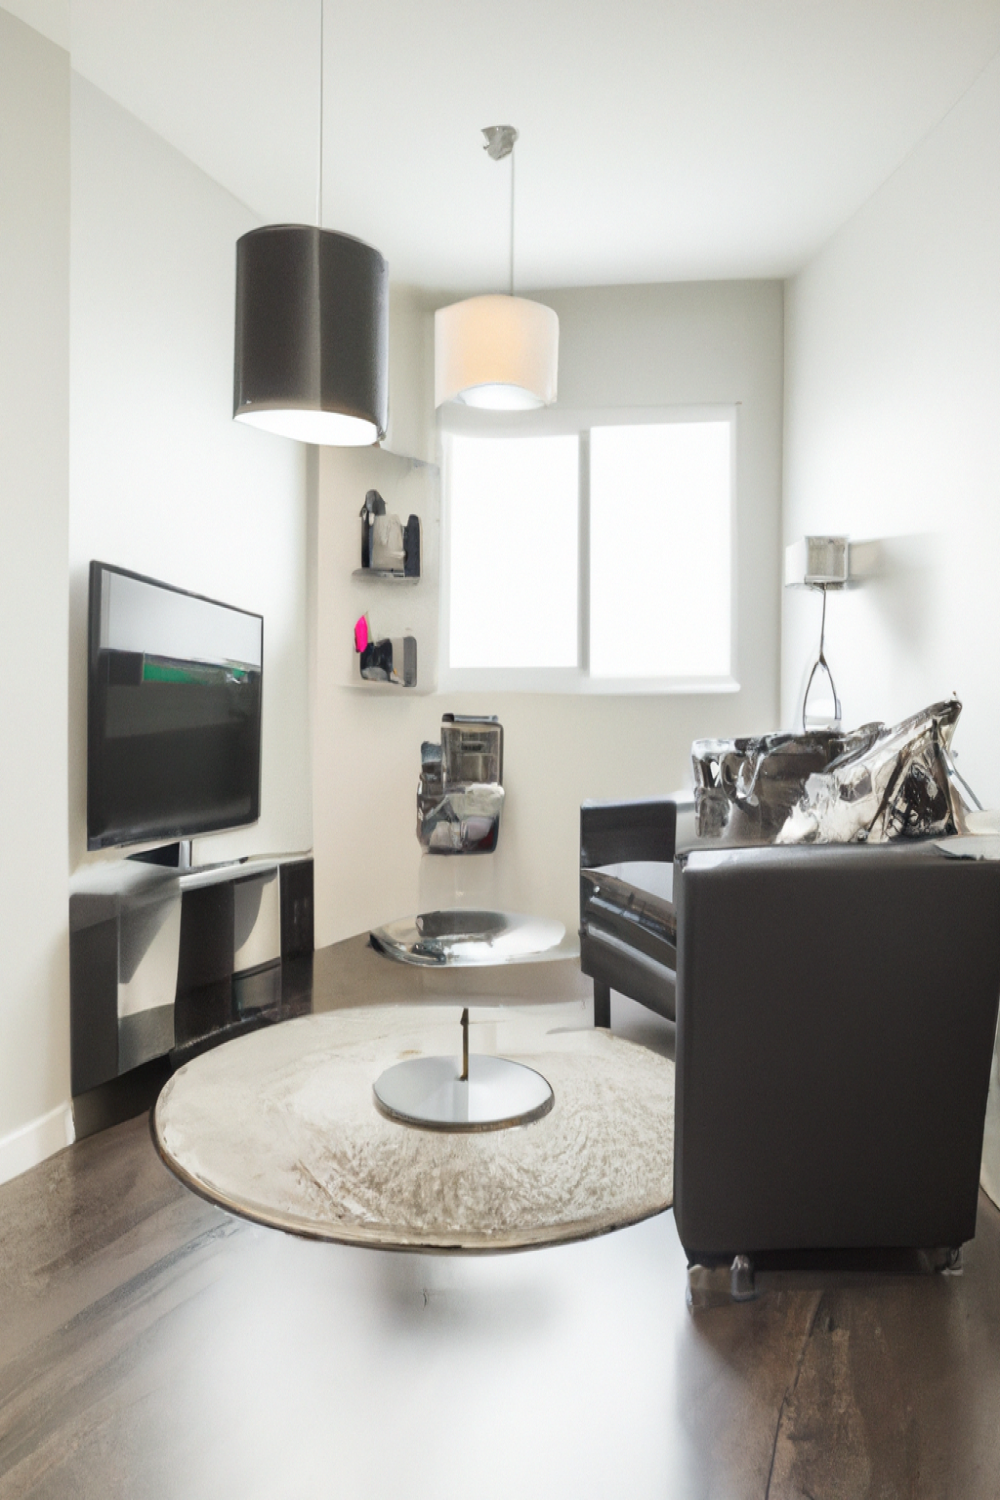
719, 1284
602, 1004
948, 1261
742, 1281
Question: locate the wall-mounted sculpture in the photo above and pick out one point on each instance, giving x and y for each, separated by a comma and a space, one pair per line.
460, 794
459, 801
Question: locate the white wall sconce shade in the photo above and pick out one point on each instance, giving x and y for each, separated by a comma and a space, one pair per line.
312, 335
496, 352
822, 562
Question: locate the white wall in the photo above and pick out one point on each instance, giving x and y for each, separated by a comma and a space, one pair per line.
162, 480
892, 401
681, 344
34, 409
117, 267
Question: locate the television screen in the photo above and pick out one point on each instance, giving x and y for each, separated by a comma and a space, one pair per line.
173, 711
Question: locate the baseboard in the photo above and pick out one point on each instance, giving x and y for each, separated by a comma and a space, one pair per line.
134, 1093
32, 1143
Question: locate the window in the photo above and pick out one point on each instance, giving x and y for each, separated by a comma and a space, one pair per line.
513, 538
595, 559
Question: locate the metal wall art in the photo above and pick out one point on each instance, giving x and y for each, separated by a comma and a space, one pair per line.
460, 794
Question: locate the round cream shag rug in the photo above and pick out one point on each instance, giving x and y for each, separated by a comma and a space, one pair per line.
281, 1127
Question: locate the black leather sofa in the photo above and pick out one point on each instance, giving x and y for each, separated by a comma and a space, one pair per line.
836, 1008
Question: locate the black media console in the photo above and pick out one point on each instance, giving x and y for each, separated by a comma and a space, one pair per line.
165, 962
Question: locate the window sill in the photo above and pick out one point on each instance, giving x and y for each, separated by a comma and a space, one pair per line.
571, 680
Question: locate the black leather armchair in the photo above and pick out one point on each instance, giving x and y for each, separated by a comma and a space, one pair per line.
836, 1009
628, 932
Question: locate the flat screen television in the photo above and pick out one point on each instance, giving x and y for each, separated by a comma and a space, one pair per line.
173, 711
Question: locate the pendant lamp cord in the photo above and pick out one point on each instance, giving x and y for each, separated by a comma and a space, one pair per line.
512, 221
319, 181
500, 143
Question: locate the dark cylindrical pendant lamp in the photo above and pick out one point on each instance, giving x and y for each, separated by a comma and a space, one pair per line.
312, 335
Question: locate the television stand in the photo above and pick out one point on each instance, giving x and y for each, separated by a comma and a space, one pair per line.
164, 957
178, 857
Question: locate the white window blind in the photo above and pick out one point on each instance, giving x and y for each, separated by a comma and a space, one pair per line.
594, 559
513, 551
659, 550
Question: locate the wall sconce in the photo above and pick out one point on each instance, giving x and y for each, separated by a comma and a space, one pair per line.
818, 562
823, 563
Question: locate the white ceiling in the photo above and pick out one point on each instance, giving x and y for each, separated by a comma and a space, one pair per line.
660, 139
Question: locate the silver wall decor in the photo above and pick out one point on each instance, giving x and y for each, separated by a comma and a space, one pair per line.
460, 793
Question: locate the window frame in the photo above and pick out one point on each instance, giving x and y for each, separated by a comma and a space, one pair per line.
456, 420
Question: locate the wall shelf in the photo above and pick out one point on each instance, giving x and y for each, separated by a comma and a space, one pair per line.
407, 489
365, 686
382, 575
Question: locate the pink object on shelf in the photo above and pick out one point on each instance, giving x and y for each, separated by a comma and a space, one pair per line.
361, 634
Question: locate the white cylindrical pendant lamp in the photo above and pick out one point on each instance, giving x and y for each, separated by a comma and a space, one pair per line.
501, 353
312, 335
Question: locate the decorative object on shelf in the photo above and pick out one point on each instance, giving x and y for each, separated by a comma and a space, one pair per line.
496, 352
869, 785
460, 793
467, 1094
463, 938
388, 548
819, 562
312, 329
390, 659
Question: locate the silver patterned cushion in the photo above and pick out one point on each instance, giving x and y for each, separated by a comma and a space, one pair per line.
832, 787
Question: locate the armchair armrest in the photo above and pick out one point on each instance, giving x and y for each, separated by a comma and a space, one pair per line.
628, 935
614, 833
612, 908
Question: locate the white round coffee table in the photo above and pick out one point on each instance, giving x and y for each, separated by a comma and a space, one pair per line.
281, 1126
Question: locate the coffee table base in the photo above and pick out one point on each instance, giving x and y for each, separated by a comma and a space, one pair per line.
430, 1093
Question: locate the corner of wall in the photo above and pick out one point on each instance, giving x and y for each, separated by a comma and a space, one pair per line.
411, 431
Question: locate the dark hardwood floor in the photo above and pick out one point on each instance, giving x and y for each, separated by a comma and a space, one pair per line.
153, 1347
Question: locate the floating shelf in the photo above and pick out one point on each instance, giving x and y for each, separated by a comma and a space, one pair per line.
382, 575
364, 685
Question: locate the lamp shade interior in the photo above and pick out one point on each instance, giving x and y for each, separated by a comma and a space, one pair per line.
312, 335
332, 428
501, 353
500, 398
